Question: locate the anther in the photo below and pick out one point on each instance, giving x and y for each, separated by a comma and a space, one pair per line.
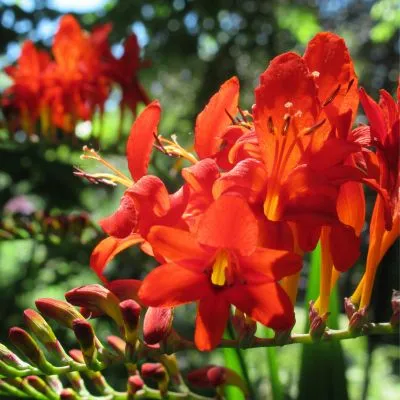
349, 85
313, 128
289, 104
332, 96
242, 114
286, 124
315, 74
270, 125
234, 122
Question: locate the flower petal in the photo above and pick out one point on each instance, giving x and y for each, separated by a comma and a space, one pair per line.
275, 264
123, 221
150, 193
175, 245
345, 246
266, 303
125, 288
213, 120
351, 205
328, 55
212, 316
229, 223
107, 249
171, 285
141, 140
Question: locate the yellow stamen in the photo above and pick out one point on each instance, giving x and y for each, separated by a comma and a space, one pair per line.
119, 177
172, 147
221, 263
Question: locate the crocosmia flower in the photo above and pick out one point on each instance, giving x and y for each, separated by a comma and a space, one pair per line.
219, 265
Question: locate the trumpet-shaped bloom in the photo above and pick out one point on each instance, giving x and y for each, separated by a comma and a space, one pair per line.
145, 203
218, 265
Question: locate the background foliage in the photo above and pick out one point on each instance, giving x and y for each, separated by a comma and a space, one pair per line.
193, 47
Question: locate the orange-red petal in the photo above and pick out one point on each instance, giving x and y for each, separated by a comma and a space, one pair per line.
345, 246
266, 303
212, 316
141, 140
213, 120
229, 223
171, 285
274, 264
123, 221
174, 245
107, 249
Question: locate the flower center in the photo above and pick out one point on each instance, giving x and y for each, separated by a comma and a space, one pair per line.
221, 263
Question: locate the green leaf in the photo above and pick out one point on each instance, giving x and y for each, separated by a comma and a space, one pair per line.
322, 372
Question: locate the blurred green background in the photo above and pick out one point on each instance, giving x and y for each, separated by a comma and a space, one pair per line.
193, 47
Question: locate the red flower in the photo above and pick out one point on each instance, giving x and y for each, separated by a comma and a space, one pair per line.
218, 265
26, 92
145, 203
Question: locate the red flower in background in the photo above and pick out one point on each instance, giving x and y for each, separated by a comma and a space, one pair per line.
74, 85
218, 265
25, 95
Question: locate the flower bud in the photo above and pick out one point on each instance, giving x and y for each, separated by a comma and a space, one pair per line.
59, 311
11, 359
42, 330
157, 372
77, 356
96, 298
216, 377
135, 383
117, 344
157, 324
69, 394
41, 386
125, 289
349, 307
29, 348
358, 321
317, 322
395, 319
130, 313
85, 335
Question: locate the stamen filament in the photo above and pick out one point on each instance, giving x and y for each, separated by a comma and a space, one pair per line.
91, 154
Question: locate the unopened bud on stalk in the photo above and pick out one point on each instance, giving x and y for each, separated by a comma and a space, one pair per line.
117, 344
42, 330
244, 326
11, 359
41, 386
395, 319
349, 307
77, 356
317, 322
135, 383
69, 394
59, 311
29, 348
85, 335
358, 321
130, 310
157, 324
212, 376
157, 372
97, 299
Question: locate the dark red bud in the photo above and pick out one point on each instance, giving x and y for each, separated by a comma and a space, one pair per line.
157, 324
85, 335
26, 345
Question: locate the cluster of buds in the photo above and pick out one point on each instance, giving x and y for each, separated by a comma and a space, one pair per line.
44, 226
259, 191
53, 93
45, 361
